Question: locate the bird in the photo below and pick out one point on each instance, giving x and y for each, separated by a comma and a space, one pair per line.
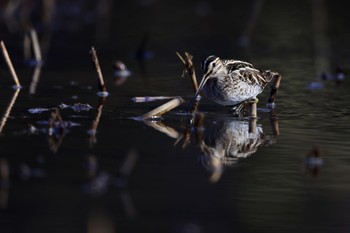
231, 82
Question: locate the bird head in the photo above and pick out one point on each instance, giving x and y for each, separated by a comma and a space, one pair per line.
211, 65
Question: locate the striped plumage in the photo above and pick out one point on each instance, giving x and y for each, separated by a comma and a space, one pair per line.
231, 82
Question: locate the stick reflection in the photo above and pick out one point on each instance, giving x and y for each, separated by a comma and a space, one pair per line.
92, 132
8, 110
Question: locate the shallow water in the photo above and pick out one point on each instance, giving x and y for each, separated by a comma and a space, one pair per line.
135, 176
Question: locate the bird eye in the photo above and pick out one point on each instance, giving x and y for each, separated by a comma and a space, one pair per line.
214, 64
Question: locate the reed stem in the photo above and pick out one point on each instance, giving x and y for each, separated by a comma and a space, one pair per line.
274, 89
100, 81
9, 64
36, 46
189, 67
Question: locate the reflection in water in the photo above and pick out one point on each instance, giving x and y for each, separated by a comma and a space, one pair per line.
100, 180
35, 79
4, 183
224, 142
161, 127
8, 110
142, 54
92, 132
100, 221
121, 73
314, 161
18, 17
56, 130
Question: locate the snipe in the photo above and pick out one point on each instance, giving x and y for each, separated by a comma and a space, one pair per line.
231, 82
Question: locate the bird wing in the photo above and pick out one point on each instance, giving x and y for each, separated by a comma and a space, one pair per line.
232, 65
251, 76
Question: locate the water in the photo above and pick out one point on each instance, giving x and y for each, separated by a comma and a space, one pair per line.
133, 176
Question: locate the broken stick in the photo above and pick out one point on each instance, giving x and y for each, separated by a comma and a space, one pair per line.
164, 108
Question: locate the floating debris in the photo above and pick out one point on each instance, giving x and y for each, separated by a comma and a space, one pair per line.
143, 99
102, 93
121, 73
38, 110
78, 107
63, 106
120, 69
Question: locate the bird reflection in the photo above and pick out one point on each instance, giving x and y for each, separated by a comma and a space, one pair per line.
223, 142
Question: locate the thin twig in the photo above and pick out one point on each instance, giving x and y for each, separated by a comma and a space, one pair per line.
189, 67
9, 64
100, 81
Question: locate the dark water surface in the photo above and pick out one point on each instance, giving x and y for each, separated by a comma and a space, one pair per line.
141, 177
